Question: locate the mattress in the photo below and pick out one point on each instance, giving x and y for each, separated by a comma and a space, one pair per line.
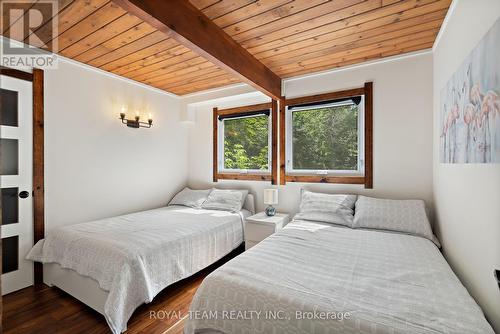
135, 256
319, 278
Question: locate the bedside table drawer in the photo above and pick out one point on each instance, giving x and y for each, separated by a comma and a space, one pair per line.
258, 232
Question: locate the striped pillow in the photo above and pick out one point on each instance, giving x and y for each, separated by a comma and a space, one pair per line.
329, 208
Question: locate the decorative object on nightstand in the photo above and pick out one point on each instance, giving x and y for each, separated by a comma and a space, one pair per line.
270, 198
260, 226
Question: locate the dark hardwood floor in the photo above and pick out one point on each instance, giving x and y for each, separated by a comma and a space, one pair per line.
42, 309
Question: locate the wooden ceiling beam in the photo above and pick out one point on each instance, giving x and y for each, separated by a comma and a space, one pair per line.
183, 22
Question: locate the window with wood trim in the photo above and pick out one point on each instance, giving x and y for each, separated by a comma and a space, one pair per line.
328, 138
245, 143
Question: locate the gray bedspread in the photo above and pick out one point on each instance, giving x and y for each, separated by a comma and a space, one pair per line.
317, 278
136, 256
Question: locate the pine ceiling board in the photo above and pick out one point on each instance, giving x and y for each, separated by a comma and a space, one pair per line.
351, 34
266, 21
209, 75
68, 17
374, 54
389, 2
159, 60
138, 53
248, 11
92, 23
301, 56
172, 72
303, 20
131, 49
346, 54
202, 4
5, 16
187, 75
223, 7
166, 65
23, 36
223, 80
131, 35
370, 19
208, 84
107, 32
356, 53
323, 42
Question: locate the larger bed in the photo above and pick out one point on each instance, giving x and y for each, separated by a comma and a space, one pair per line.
315, 277
116, 264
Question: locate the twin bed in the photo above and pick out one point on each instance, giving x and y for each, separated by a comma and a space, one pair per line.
317, 275
116, 264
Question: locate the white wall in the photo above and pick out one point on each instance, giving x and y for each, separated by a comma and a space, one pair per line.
402, 130
467, 196
96, 167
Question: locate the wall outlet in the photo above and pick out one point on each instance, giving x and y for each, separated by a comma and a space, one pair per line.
497, 276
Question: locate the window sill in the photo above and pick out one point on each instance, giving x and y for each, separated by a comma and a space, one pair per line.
243, 176
325, 179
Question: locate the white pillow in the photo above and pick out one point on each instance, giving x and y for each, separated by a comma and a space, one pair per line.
407, 216
191, 198
328, 208
227, 200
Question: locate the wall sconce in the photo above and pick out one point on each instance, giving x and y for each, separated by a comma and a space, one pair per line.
135, 123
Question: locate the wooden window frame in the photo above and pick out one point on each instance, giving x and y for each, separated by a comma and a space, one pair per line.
273, 175
367, 178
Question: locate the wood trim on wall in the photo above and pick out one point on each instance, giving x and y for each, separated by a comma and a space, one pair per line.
274, 143
326, 179
38, 166
369, 135
239, 110
367, 178
326, 96
244, 177
10, 72
282, 140
215, 145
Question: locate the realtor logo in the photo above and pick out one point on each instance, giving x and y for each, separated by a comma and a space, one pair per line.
30, 33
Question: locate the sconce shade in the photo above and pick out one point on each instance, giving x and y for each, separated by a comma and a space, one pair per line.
270, 196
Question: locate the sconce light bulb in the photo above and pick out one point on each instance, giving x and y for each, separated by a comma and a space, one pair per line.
124, 109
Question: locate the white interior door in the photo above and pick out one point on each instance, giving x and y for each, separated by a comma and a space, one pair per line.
16, 180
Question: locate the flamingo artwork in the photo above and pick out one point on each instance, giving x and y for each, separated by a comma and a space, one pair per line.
470, 106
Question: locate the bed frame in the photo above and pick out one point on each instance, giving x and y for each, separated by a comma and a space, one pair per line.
83, 288
86, 289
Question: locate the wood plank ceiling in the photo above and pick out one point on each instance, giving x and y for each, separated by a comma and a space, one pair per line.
291, 37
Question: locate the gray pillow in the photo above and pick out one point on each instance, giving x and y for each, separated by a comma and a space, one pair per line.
406, 216
227, 200
328, 208
190, 197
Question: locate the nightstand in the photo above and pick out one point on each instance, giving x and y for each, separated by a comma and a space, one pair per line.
259, 226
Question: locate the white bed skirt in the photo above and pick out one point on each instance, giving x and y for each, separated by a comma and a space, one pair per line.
83, 288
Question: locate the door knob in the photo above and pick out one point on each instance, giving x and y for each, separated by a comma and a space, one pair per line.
24, 194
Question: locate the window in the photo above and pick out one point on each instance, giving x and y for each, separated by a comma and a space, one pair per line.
243, 143
325, 138
328, 138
